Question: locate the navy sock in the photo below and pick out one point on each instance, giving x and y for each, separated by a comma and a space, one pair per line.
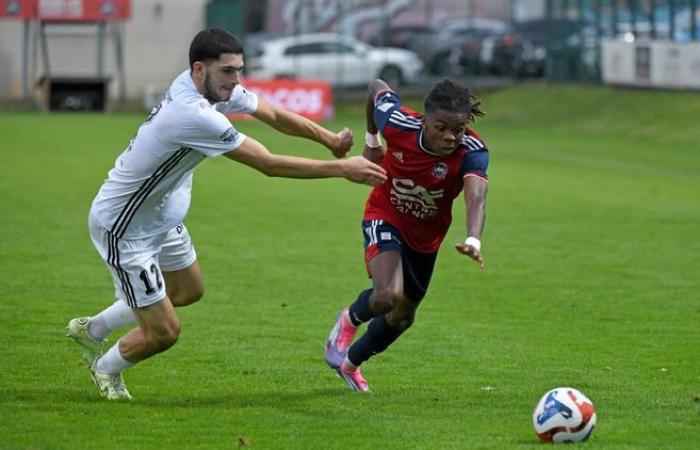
378, 337
359, 311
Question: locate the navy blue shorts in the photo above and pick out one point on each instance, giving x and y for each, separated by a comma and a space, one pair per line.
381, 236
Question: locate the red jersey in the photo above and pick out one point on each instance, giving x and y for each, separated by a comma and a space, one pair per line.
421, 186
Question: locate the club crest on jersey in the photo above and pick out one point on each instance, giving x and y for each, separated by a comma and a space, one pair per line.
397, 156
440, 170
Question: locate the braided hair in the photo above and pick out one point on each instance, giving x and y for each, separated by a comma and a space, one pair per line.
453, 97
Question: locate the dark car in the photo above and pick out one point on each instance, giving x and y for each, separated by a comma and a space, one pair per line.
523, 50
401, 36
456, 44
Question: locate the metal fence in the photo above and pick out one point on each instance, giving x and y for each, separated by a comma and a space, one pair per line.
578, 56
557, 39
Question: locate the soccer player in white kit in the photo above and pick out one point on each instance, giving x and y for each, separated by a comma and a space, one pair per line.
136, 218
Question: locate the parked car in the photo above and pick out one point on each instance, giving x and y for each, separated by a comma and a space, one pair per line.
456, 44
400, 36
522, 51
340, 60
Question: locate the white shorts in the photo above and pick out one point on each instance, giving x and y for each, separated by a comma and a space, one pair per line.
137, 265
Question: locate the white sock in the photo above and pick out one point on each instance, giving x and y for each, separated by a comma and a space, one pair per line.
113, 362
114, 316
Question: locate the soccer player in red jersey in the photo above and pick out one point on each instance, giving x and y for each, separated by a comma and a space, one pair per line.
429, 158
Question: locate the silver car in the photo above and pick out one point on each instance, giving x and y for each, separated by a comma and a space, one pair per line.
340, 60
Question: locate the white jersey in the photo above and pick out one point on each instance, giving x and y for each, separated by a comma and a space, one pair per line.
149, 189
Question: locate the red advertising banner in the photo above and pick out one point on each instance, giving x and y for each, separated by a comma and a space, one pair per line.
83, 10
311, 99
67, 10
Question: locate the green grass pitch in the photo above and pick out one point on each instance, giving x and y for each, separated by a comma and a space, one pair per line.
592, 279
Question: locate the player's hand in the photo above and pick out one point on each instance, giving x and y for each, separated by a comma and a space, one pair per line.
360, 170
342, 143
471, 252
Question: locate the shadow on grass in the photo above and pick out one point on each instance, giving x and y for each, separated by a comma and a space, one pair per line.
57, 400
248, 399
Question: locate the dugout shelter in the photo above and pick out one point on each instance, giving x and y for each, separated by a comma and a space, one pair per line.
90, 24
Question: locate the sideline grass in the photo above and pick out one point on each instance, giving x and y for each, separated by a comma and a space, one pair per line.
591, 280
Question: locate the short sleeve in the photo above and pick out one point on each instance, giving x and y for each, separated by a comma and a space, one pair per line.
385, 103
242, 101
475, 163
210, 132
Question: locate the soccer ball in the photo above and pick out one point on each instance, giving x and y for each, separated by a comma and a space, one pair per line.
564, 415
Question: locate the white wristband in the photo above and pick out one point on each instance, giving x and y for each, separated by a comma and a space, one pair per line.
474, 242
372, 140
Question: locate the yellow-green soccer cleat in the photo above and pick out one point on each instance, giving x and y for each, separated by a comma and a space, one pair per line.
77, 330
109, 386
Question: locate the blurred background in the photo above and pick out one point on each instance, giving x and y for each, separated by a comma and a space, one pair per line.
104, 54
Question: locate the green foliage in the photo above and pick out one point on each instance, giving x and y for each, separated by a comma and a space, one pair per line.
591, 280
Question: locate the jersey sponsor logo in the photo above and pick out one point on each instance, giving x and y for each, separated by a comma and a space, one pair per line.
414, 200
440, 170
228, 136
152, 114
397, 156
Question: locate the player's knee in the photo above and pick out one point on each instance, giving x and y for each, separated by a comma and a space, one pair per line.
167, 335
168, 339
384, 300
401, 321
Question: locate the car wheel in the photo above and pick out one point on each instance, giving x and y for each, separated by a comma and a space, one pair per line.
392, 75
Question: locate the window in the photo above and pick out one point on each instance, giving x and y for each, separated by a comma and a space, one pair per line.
336, 47
306, 49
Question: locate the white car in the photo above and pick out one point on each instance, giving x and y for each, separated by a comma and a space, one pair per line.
340, 60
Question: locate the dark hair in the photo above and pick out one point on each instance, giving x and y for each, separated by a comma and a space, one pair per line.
210, 44
453, 97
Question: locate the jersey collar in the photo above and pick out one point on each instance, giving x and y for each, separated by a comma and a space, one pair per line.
424, 148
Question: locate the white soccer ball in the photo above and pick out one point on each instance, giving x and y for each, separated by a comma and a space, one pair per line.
564, 415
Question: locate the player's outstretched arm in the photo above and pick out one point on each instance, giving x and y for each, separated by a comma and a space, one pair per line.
357, 169
295, 125
373, 150
475, 190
